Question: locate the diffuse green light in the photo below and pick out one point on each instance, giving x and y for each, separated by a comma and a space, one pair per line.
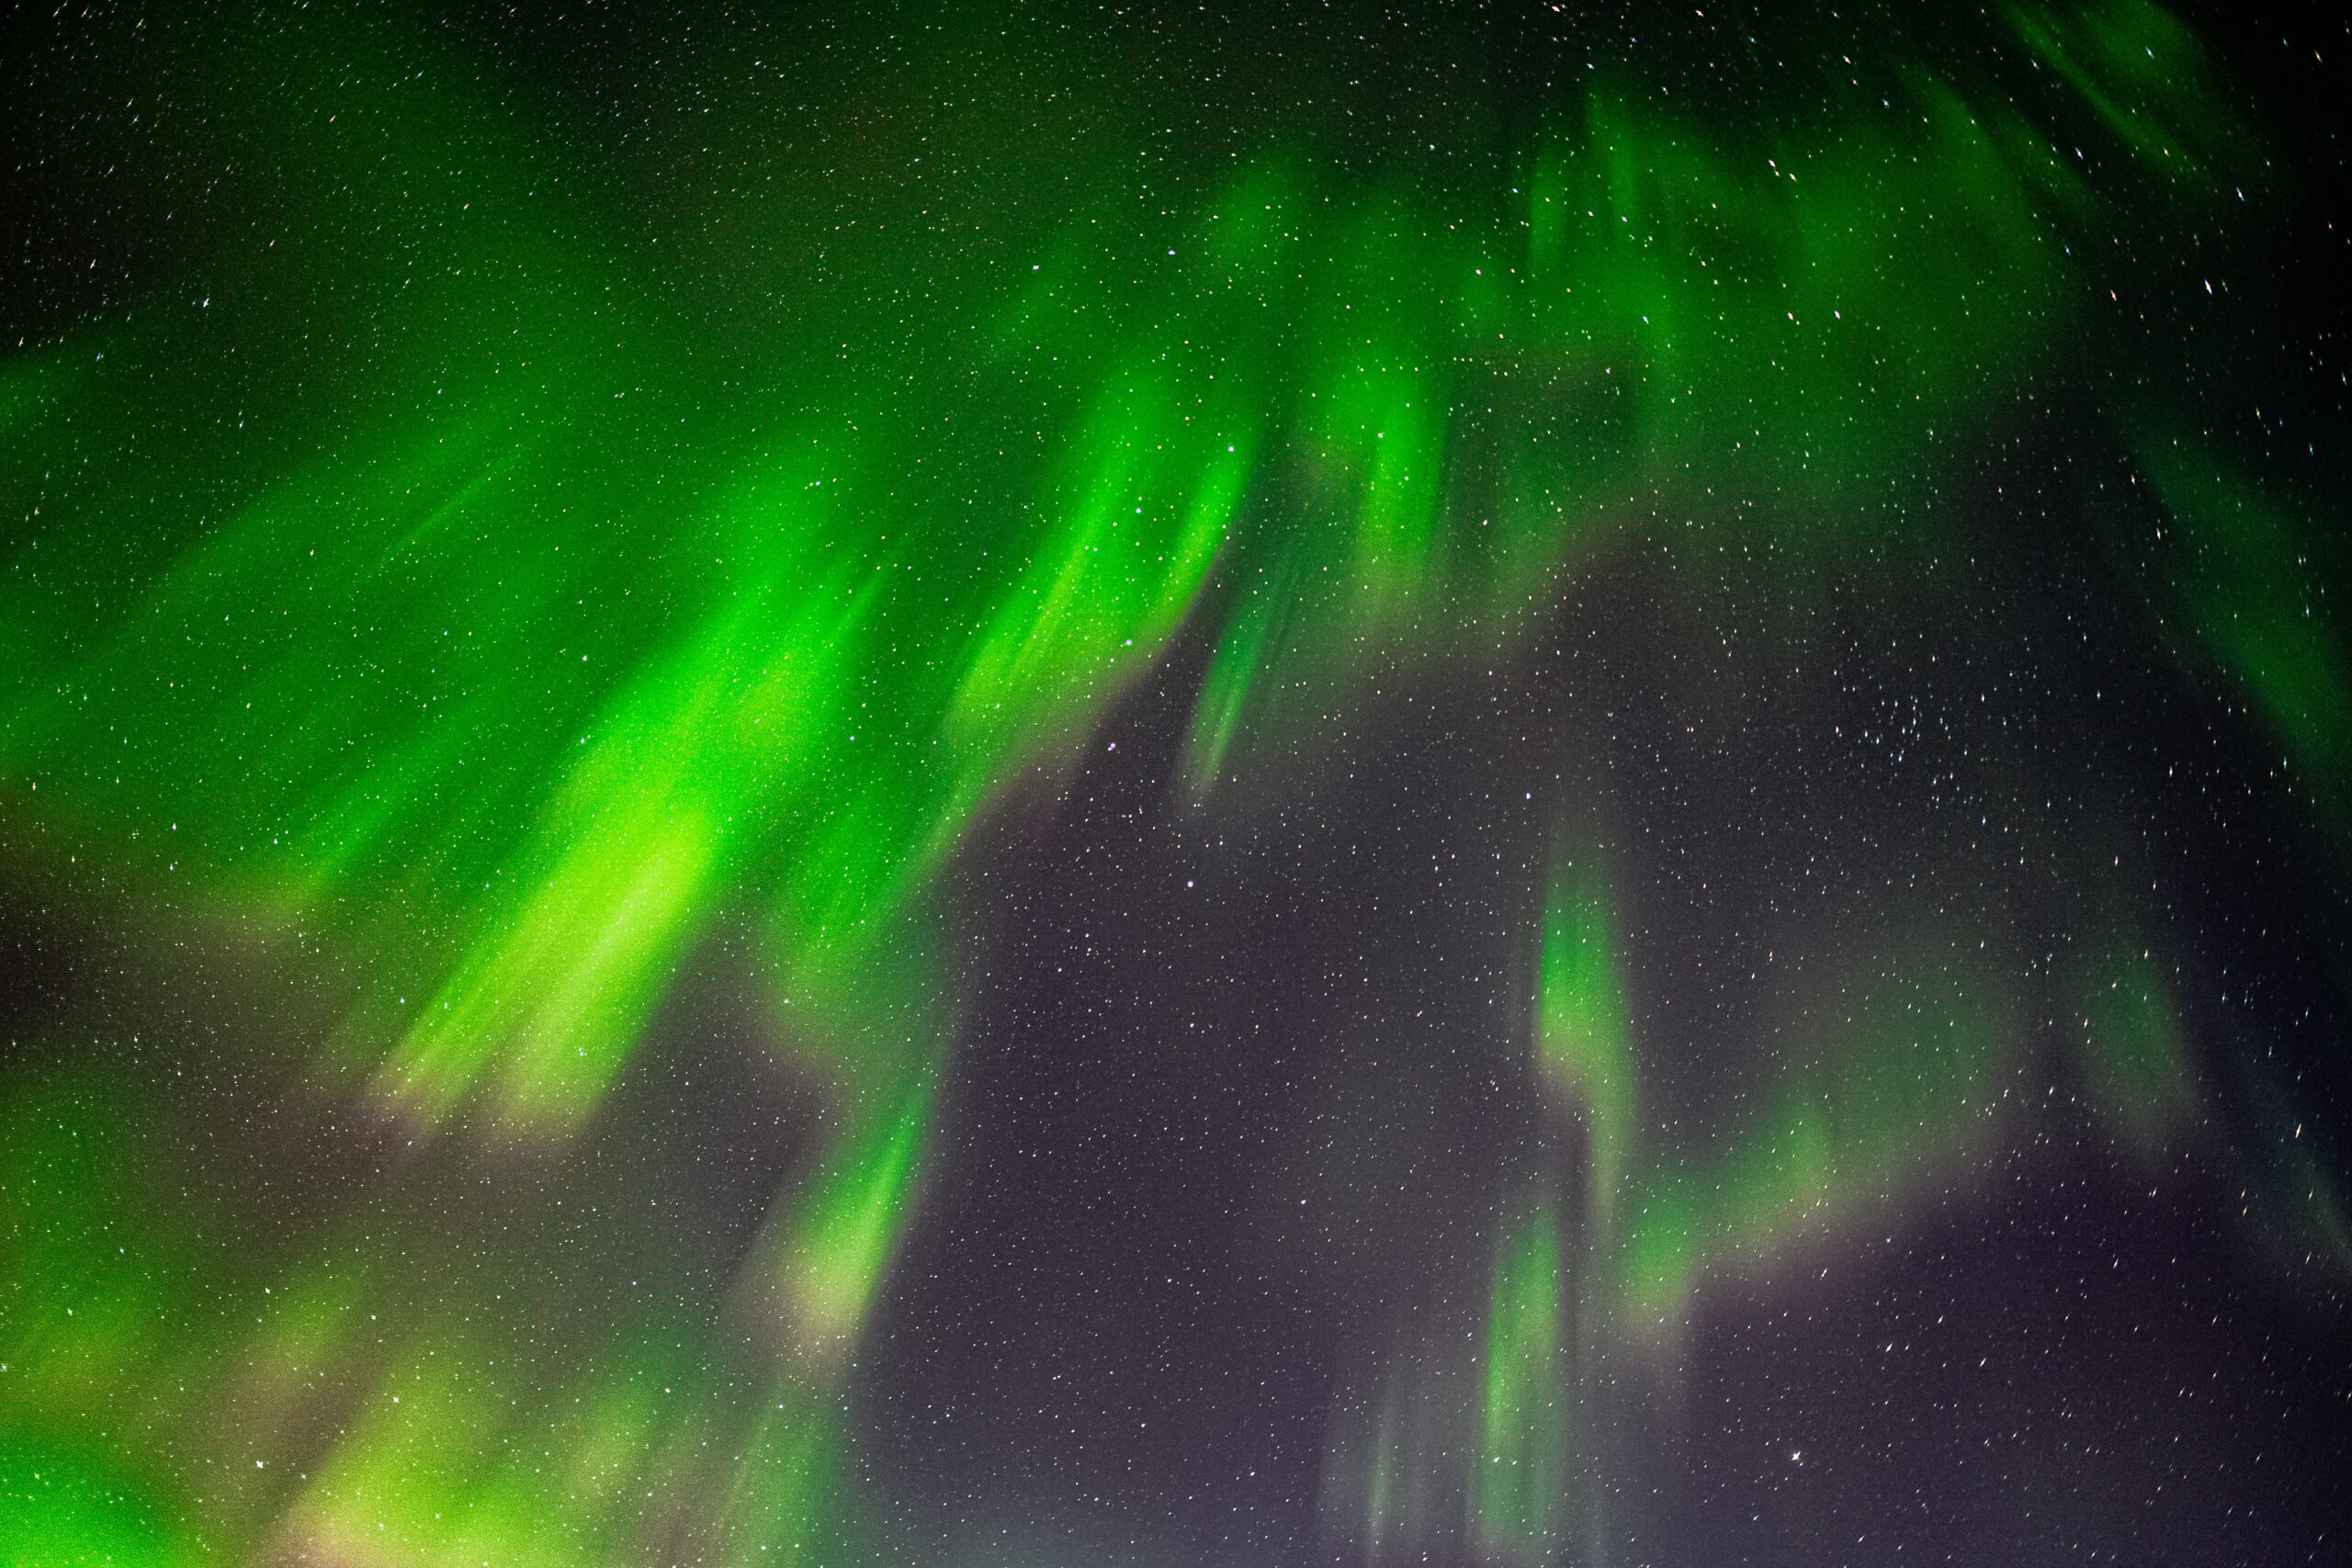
2243, 573
1583, 1035
701, 747
1892, 1076
2132, 1050
1251, 637
512, 685
1153, 479
69, 1503
1518, 1486
835, 1244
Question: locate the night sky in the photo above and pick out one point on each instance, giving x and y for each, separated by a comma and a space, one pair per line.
1057, 786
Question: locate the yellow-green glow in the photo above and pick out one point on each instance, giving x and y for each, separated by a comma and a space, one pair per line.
837, 1243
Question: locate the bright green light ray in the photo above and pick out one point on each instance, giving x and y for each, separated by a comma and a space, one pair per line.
412, 1473
1375, 410
450, 1459
833, 1248
1507, 1471
1666, 344
789, 1500
383, 1434
556, 994
1678, 311
1251, 636
572, 976
1106, 589
533, 662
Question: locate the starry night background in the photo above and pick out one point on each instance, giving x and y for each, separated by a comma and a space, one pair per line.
1060, 784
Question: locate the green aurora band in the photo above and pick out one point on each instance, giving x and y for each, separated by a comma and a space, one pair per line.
480, 638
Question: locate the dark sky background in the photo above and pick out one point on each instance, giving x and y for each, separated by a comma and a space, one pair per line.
1081, 784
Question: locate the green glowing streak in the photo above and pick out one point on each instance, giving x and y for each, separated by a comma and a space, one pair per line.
1380, 1496
554, 993
1245, 649
1892, 1076
1663, 1250
454, 1456
349, 690
416, 1473
1518, 1495
413, 777
837, 1243
1584, 1046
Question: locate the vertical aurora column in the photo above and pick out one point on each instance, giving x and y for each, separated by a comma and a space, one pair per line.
1567, 1255
1518, 1488
1481, 1438
1583, 1037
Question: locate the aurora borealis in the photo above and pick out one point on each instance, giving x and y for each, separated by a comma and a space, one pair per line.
1061, 785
